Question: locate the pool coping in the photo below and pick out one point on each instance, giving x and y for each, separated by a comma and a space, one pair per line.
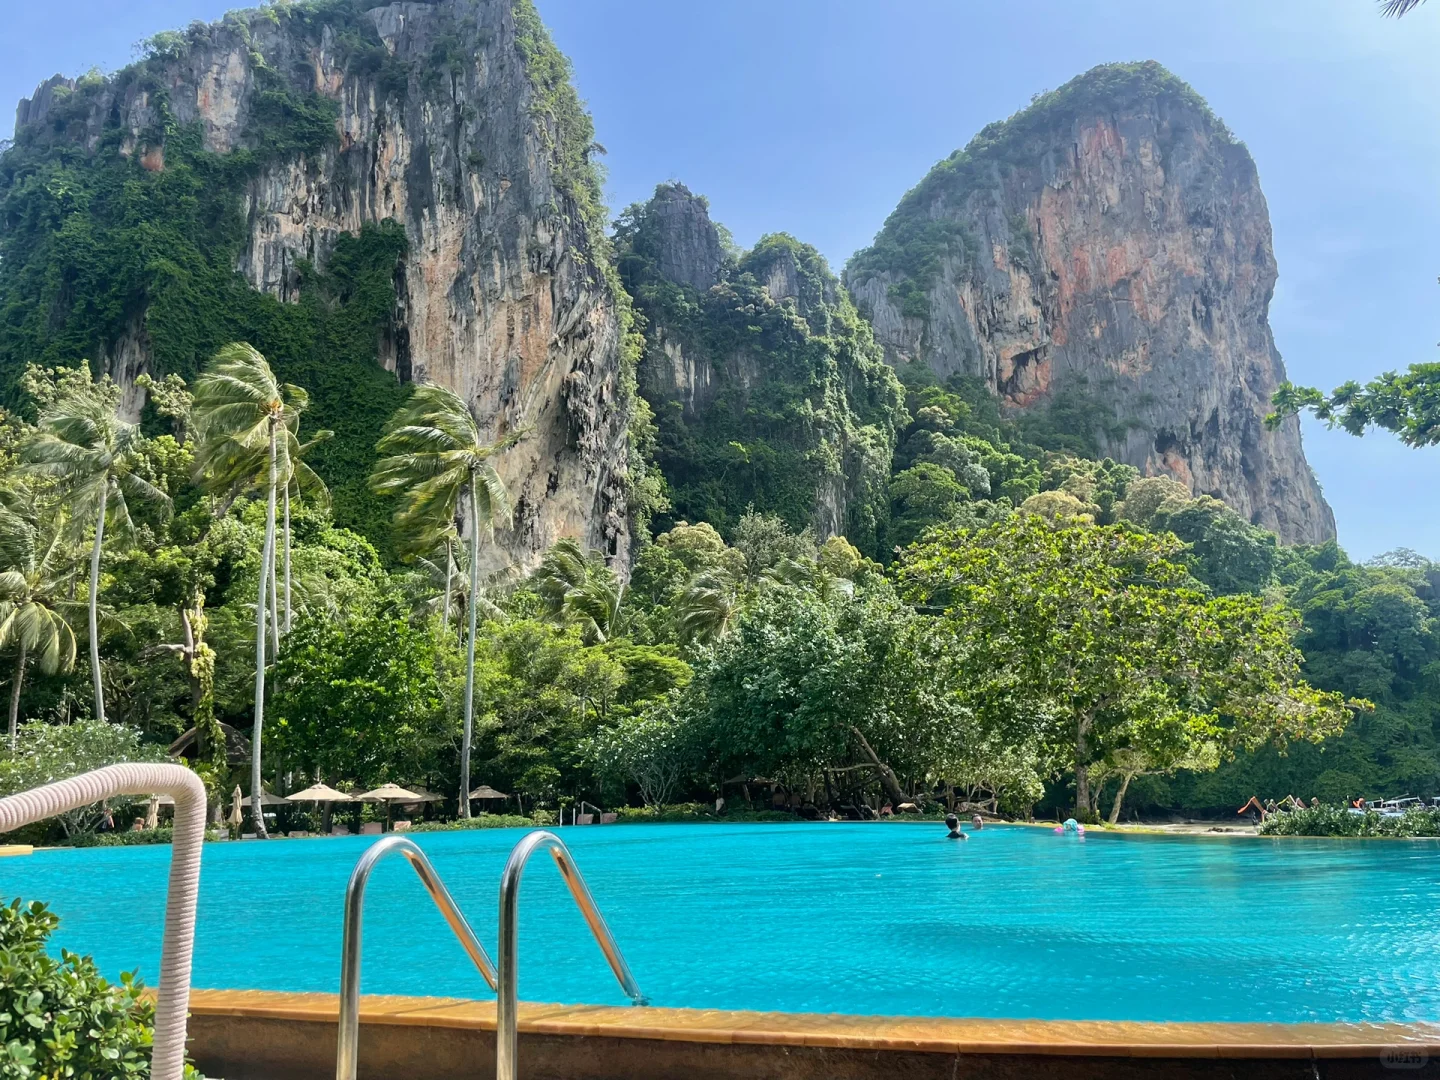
944, 1035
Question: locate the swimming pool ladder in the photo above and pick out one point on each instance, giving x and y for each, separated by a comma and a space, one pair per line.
506, 980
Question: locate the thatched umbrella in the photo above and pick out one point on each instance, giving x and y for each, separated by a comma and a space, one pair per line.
266, 799
324, 794
485, 793
236, 819
389, 794
320, 793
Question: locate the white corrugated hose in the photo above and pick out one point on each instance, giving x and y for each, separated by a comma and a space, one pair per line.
173, 1006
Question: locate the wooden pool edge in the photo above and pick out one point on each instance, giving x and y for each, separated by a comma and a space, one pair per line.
288, 1036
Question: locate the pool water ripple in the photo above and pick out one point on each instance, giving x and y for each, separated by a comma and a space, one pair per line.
881, 919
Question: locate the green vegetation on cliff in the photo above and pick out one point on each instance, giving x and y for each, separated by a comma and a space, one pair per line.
130, 245
804, 410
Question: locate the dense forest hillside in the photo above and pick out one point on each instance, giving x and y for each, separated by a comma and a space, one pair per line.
768, 390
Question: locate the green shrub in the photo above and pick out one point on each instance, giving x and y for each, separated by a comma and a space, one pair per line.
59, 1018
484, 821
1338, 821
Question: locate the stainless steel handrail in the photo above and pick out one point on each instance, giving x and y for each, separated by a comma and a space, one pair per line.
506, 1036
347, 1055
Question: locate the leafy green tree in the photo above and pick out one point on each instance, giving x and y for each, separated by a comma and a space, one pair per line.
653, 750
433, 454
1060, 507
33, 588
809, 682
91, 455
365, 700
545, 693
1369, 630
1089, 636
50, 752
920, 498
239, 411
1226, 552
1407, 404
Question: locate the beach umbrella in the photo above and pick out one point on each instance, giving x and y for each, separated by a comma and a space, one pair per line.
428, 796
389, 794
236, 819
485, 791
318, 793
266, 799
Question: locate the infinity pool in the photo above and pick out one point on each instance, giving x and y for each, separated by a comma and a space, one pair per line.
878, 919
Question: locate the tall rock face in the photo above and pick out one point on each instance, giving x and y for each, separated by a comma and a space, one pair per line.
1111, 240
421, 166
767, 388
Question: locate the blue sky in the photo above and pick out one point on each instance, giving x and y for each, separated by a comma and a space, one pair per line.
815, 116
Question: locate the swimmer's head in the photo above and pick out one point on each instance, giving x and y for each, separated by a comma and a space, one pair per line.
952, 822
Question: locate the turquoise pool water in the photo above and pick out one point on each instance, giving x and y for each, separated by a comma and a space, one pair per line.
857, 918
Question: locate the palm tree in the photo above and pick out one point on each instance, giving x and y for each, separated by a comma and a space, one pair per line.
239, 411
32, 590
707, 608
234, 469
433, 454
91, 454
1397, 8
578, 588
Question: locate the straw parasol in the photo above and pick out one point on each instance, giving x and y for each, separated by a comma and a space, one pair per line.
236, 819
485, 791
389, 794
266, 799
428, 796
320, 793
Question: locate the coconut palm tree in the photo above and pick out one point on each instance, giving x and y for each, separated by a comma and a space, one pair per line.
707, 608
1397, 8
33, 586
433, 454
239, 412
233, 469
91, 455
577, 588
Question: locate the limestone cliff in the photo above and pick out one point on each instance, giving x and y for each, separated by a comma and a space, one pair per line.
453, 118
1113, 236
767, 387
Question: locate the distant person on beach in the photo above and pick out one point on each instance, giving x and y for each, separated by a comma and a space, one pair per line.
953, 824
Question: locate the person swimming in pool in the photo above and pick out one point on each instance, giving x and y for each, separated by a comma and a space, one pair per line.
978, 822
953, 824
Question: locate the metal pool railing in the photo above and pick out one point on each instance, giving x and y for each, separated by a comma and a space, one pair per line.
506, 981
506, 1035
348, 1050
167, 1055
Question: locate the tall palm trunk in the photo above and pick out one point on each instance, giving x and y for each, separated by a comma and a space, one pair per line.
449, 574
15, 699
287, 558
257, 808
466, 734
274, 589
95, 603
